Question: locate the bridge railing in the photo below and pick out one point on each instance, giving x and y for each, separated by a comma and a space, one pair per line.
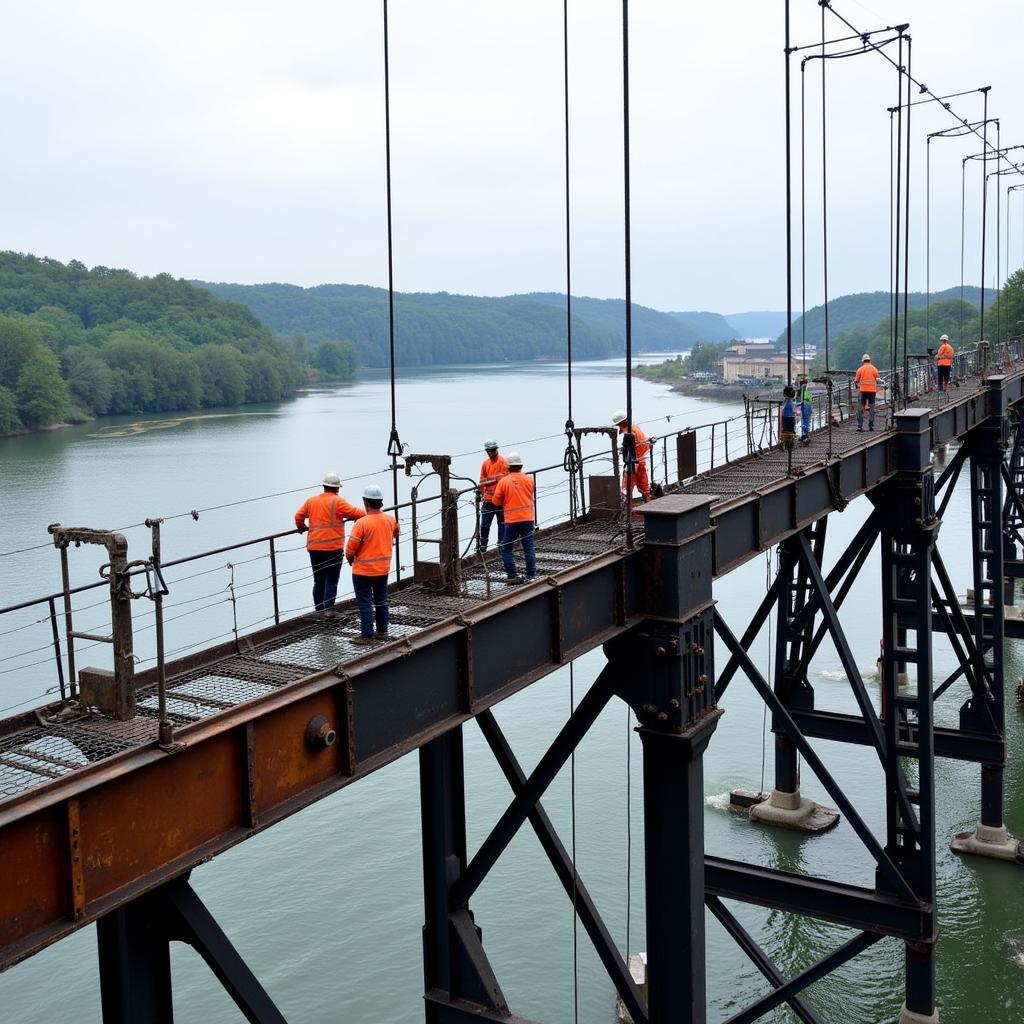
259, 589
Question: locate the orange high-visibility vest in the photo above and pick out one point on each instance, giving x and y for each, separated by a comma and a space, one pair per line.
867, 378
945, 355
326, 513
371, 543
490, 473
515, 494
643, 446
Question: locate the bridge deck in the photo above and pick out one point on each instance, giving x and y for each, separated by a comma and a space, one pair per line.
35, 750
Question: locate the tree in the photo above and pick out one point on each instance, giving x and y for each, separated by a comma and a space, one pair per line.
221, 374
41, 392
9, 420
89, 378
335, 358
19, 340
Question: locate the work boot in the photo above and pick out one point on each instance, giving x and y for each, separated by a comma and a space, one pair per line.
513, 581
362, 641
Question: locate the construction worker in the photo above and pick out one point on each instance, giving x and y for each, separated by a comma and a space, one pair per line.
788, 417
369, 553
866, 379
514, 495
806, 412
322, 518
492, 469
643, 446
944, 362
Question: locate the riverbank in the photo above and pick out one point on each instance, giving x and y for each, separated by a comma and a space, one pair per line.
710, 390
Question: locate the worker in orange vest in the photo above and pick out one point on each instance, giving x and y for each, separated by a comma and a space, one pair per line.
514, 495
944, 362
492, 469
322, 518
643, 446
369, 553
866, 379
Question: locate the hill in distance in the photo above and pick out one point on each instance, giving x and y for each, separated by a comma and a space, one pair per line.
438, 327
758, 324
709, 327
863, 309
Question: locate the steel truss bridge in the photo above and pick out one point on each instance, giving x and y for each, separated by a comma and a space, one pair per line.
175, 765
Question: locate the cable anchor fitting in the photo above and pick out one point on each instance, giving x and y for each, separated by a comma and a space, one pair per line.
394, 444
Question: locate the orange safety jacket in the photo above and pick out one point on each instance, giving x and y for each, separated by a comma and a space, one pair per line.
490, 473
515, 494
326, 513
944, 356
369, 548
643, 446
866, 378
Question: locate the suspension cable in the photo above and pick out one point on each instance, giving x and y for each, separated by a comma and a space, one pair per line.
963, 215
629, 441
904, 390
570, 460
824, 213
894, 335
789, 229
394, 443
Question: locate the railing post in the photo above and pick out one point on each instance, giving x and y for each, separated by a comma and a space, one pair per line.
56, 648
273, 582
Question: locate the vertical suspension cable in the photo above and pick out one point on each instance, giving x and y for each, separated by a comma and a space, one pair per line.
570, 460
824, 209
928, 251
893, 343
789, 231
963, 219
394, 444
999, 174
984, 209
904, 390
892, 237
803, 209
629, 441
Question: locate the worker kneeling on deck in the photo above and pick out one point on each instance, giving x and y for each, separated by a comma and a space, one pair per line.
322, 518
866, 379
944, 362
643, 446
369, 553
514, 495
492, 469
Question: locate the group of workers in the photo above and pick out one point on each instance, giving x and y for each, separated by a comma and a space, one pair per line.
507, 495
866, 381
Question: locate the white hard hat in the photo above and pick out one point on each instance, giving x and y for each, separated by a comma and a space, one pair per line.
618, 416
945, 337
514, 459
373, 492
490, 445
866, 358
332, 480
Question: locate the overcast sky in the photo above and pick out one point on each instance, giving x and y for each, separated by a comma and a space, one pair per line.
244, 142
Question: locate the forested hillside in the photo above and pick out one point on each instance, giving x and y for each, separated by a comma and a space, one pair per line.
1004, 315
709, 327
442, 328
867, 309
76, 343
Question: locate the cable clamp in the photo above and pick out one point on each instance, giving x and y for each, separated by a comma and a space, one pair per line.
394, 444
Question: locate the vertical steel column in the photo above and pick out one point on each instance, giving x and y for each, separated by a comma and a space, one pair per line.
671, 689
458, 980
135, 966
909, 529
1013, 519
791, 645
987, 448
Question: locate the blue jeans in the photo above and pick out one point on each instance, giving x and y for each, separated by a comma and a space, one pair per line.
487, 512
326, 570
805, 412
371, 599
866, 398
522, 532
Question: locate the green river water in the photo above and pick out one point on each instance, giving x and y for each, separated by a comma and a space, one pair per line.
327, 906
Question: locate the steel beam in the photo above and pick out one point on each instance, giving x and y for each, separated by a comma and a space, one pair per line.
135, 967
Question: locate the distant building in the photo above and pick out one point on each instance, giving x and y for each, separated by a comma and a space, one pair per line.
759, 359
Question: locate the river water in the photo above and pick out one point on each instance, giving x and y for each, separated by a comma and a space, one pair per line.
326, 907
